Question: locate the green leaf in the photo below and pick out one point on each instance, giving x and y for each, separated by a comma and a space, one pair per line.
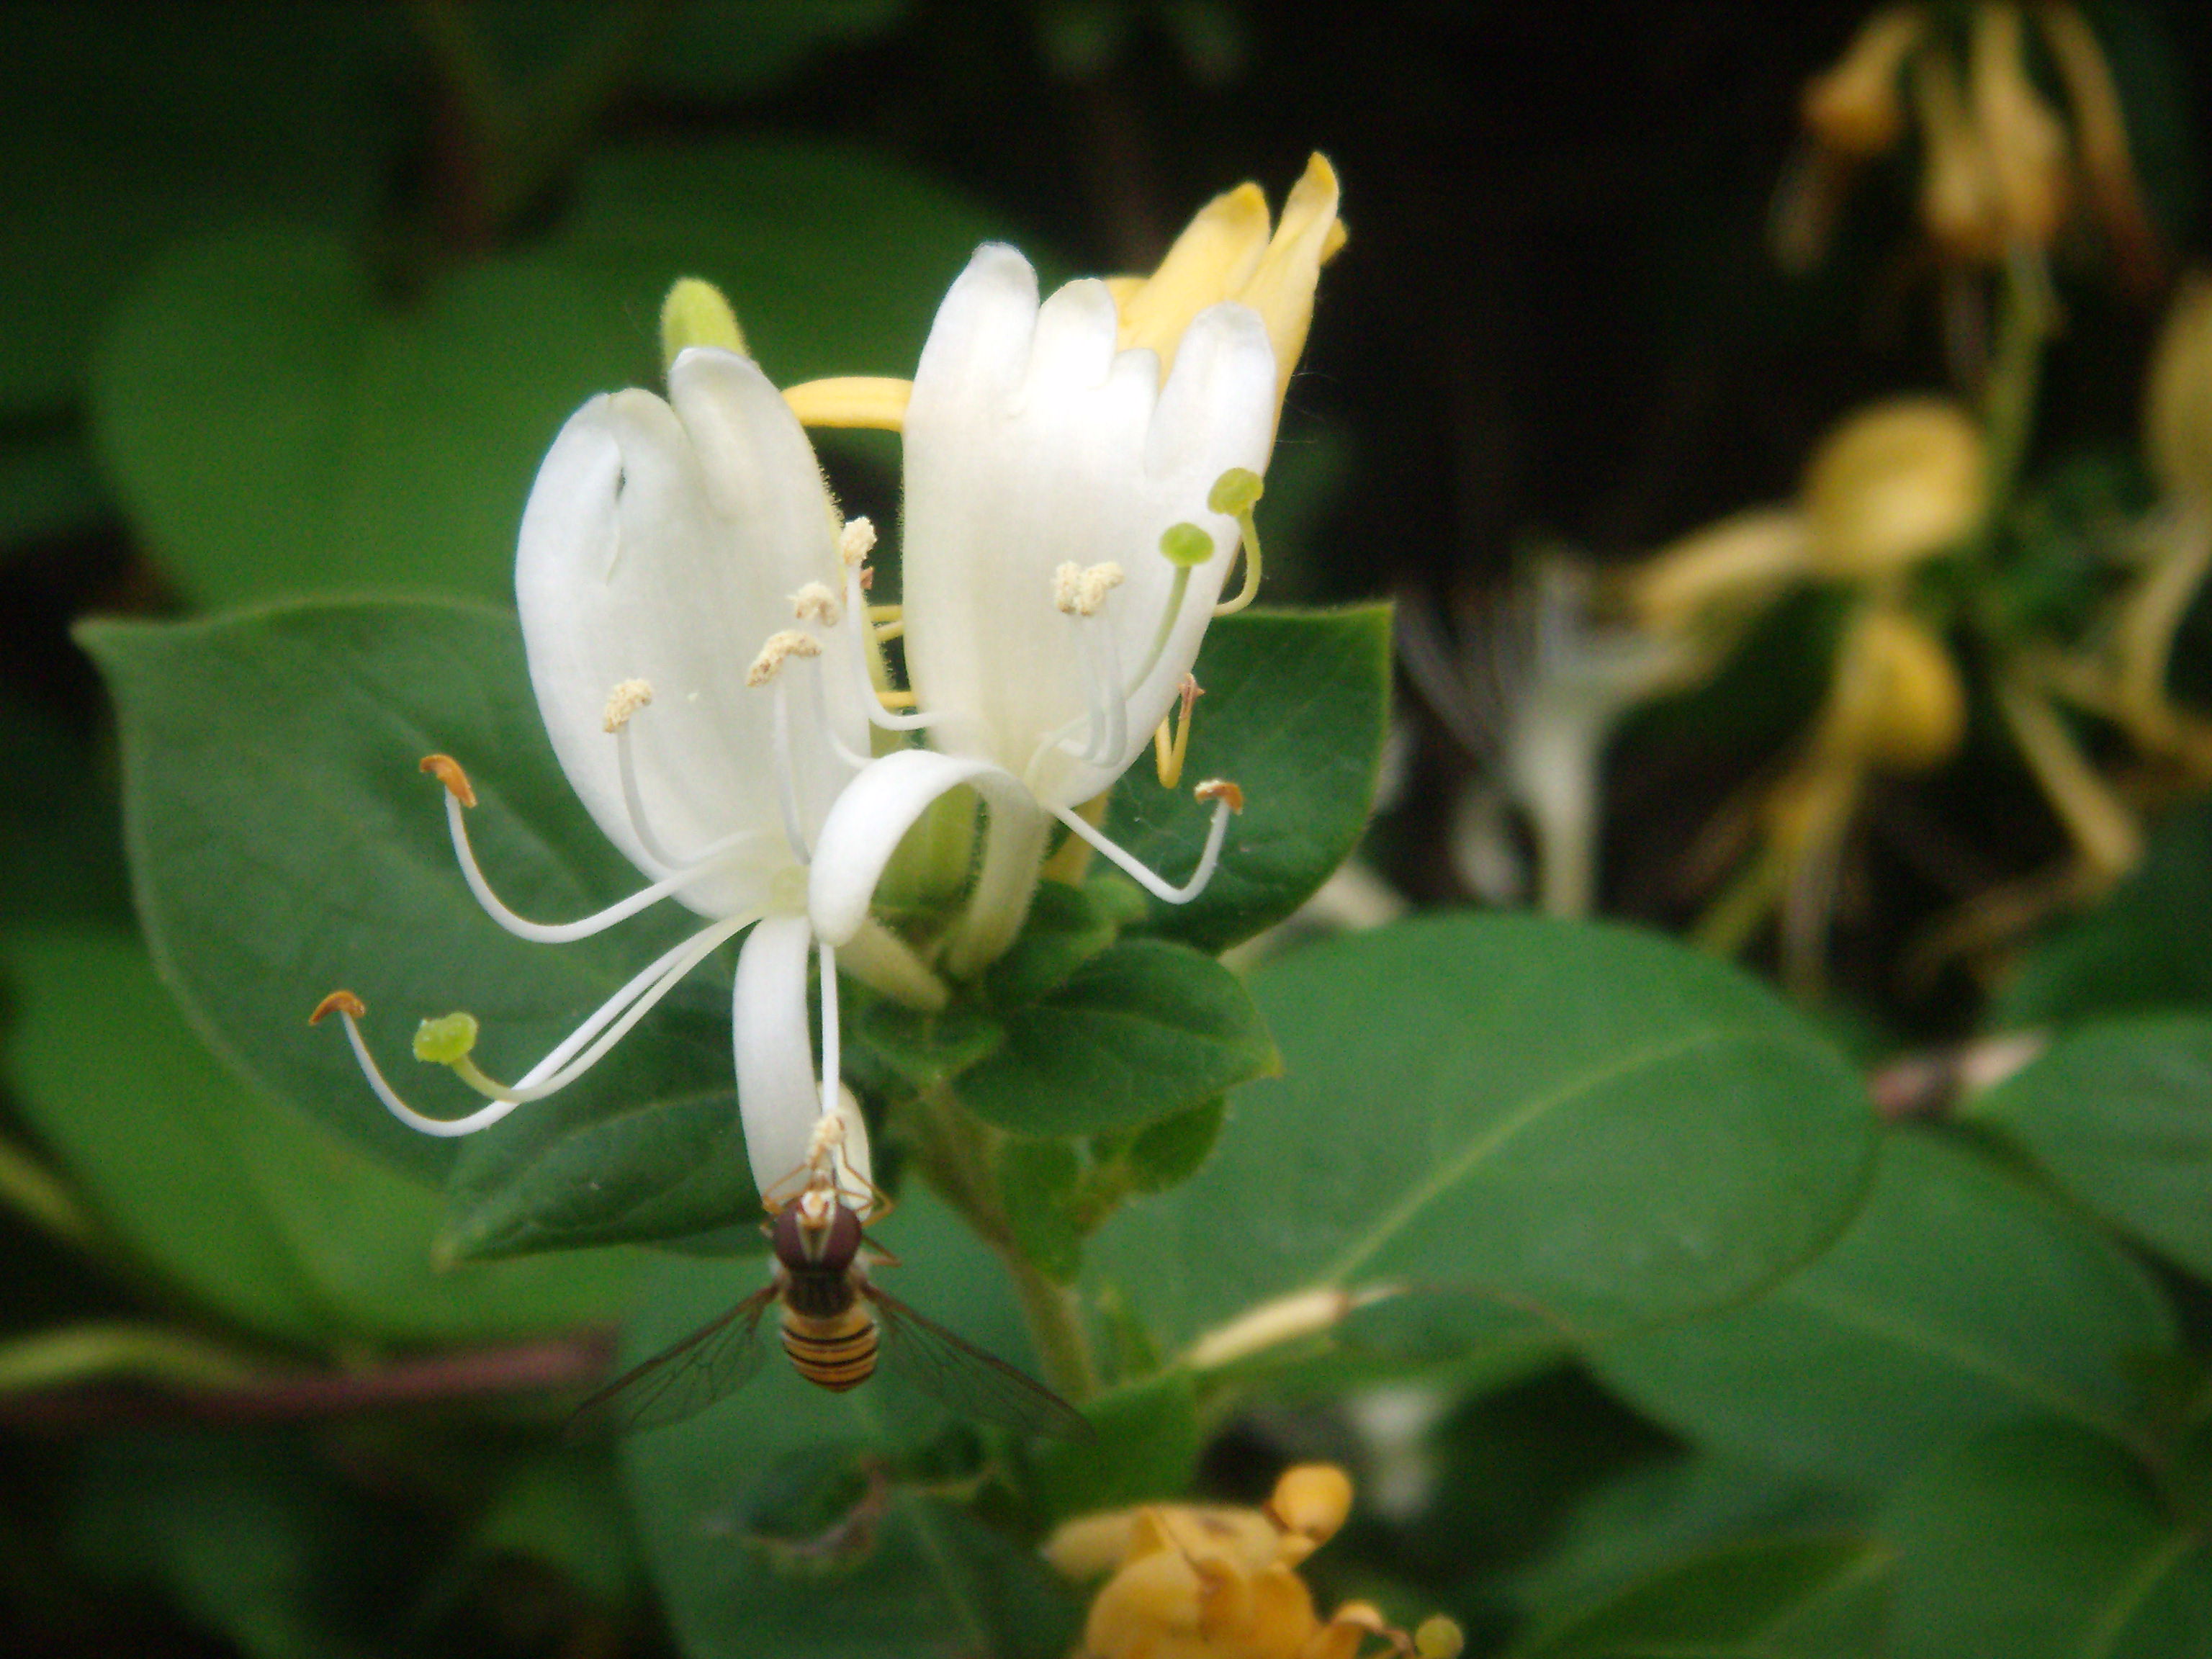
1577, 1125
1065, 928
2037, 1540
252, 1538
1146, 1450
392, 450
709, 1492
1296, 709
1037, 1179
1170, 1151
1962, 1299
248, 1209
61, 840
1788, 1599
2117, 1114
1138, 1033
48, 487
283, 844
564, 1509
2142, 949
899, 1052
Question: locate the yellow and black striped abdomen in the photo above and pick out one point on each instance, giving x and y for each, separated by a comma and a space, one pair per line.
837, 1352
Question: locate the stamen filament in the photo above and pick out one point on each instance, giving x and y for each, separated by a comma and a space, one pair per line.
633, 804
787, 780
1249, 542
832, 1055
886, 632
719, 855
1226, 801
1169, 751
871, 700
482, 1118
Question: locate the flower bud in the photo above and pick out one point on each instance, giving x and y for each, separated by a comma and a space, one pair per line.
1893, 485
2177, 395
1742, 563
2024, 145
1854, 109
1896, 701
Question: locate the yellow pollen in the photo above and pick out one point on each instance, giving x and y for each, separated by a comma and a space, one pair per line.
856, 541
447, 771
1067, 584
1095, 584
624, 701
789, 643
815, 603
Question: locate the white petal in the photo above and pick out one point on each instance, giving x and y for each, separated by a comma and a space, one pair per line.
660, 544
778, 1100
878, 807
1029, 443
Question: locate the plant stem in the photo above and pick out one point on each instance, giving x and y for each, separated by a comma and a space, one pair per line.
35, 1192
950, 1149
2025, 323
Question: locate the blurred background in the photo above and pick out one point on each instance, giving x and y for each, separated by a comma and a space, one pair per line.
295, 296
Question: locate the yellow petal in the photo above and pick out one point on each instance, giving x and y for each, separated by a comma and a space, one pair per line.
1216, 255
852, 400
1282, 290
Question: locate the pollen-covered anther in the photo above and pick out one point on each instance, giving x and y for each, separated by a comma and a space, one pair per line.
788, 643
1094, 586
1220, 789
1067, 588
856, 541
815, 603
447, 771
624, 701
339, 1002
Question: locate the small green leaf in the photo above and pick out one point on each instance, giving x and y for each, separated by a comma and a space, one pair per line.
900, 1052
1817, 1598
1170, 1151
1146, 1029
1066, 926
1961, 1299
2120, 1115
1296, 709
2042, 1541
1581, 1127
2142, 949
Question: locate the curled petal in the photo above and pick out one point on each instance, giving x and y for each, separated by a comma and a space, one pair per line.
778, 1101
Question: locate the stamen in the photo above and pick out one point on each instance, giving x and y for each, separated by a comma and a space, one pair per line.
1226, 796
886, 632
787, 779
780, 649
832, 1055
856, 656
624, 701
1169, 752
349, 1008
719, 855
1097, 583
815, 603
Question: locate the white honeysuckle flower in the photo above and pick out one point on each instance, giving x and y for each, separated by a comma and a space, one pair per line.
1079, 475
676, 579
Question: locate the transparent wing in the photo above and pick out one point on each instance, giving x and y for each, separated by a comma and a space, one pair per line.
965, 1377
718, 1359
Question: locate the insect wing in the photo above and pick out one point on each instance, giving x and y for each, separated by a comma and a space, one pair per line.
717, 1359
962, 1376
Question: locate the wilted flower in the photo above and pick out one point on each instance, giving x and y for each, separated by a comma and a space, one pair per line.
1199, 1582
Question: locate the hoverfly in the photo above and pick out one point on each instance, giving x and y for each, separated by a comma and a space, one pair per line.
836, 1323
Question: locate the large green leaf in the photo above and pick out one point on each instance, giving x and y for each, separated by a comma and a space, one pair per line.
2041, 1541
1961, 1300
283, 845
1818, 1598
1296, 709
785, 1462
2143, 948
1578, 1125
275, 427
246, 1209
1138, 1033
2120, 1114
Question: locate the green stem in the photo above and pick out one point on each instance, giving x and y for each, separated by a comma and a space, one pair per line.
1730, 920
83, 1353
952, 1148
2025, 325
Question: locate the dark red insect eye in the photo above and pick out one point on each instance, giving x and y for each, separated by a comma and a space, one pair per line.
843, 1242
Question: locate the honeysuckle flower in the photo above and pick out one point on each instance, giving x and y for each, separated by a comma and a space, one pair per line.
1215, 1582
1080, 477
677, 580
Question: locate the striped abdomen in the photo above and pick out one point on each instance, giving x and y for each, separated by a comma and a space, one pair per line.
836, 1350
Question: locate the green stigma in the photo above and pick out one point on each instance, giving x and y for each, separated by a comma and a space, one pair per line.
695, 314
1236, 492
1185, 545
445, 1041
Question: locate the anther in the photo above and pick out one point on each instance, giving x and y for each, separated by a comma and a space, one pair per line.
339, 1002
1220, 789
624, 701
1097, 583
815, 603
788, 643
1171, 742
1066, 584
856, 541
447, 771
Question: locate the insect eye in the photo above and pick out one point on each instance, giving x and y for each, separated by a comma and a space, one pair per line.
843, 1242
